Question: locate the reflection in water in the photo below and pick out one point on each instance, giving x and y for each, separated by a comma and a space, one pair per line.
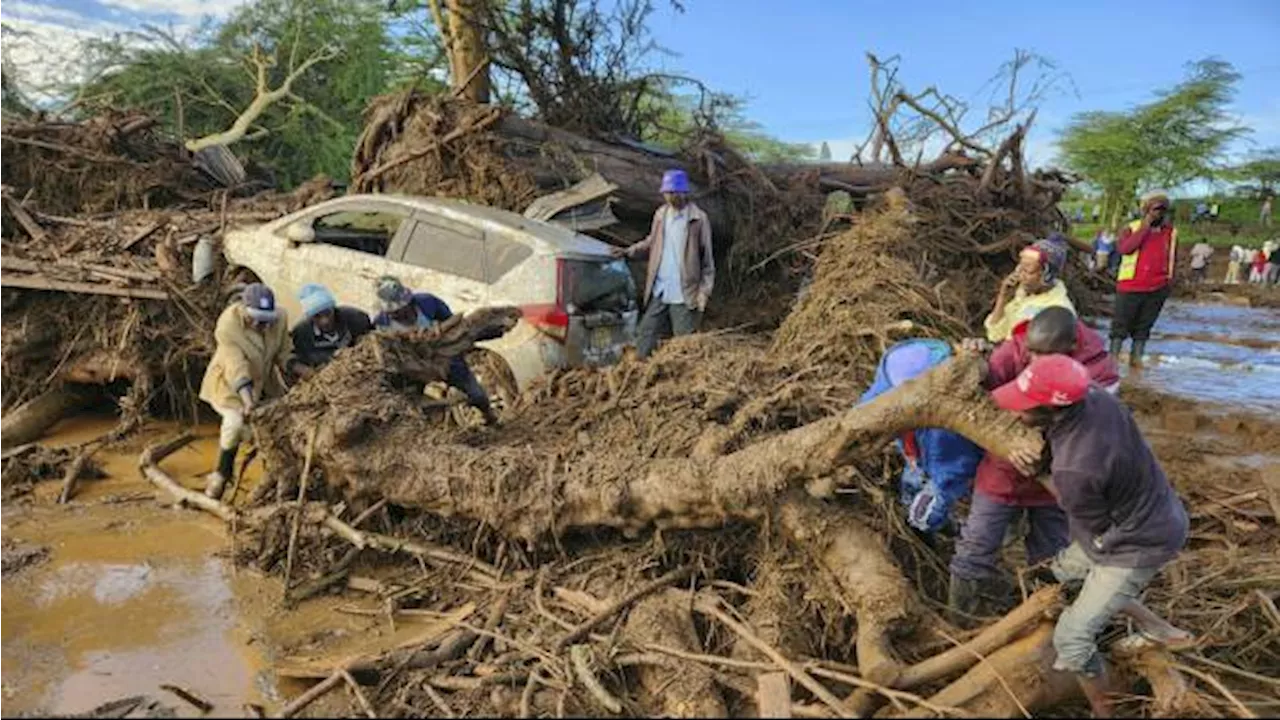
1218, 353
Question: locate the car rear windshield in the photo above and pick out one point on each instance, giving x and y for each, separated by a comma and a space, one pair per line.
596, 285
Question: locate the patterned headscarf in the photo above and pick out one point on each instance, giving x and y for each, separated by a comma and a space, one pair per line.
1053, 256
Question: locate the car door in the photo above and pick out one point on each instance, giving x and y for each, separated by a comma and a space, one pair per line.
349, 252
446, 258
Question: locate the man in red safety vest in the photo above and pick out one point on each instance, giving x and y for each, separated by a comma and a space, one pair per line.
1148, 249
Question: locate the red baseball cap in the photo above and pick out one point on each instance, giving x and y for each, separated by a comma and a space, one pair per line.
1049, 381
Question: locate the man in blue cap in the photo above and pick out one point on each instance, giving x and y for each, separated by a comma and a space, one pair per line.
681, 271
325, 327
252, 341
939, 464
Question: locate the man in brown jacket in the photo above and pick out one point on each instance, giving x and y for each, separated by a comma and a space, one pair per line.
681, 268
252, 339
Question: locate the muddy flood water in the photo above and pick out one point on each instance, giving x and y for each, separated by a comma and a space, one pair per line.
135, 593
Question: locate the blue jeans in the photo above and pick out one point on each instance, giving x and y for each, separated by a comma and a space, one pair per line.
978, 550
1106, 589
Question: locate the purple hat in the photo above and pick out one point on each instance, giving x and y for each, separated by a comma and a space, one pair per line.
675, 181
909, 359
259, 302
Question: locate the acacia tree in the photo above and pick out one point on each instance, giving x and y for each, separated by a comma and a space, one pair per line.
1181, 136
285, 80
1260, 174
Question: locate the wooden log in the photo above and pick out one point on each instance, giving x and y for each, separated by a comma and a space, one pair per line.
773, 695
39, 282
29, 421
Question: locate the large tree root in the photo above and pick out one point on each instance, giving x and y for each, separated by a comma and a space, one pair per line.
1014, 681
864, 570
521, 494
681, 689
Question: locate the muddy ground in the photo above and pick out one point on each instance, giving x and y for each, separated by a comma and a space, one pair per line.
119, 593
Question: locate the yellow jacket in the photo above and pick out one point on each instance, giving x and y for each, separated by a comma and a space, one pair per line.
1024, 307
243, 356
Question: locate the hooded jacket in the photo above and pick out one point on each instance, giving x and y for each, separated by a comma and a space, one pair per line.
939, 465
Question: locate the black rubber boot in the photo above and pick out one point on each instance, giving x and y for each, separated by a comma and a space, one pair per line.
1136, 352
964, 598
218, 479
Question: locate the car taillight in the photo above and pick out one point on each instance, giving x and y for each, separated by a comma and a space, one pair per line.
552, 319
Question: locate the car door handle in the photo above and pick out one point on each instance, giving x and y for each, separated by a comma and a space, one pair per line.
469, 297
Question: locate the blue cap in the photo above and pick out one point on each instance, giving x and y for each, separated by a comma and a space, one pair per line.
315, 299
675, 181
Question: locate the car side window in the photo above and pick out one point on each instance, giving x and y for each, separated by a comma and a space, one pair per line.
503, 255
447, 247
363, 231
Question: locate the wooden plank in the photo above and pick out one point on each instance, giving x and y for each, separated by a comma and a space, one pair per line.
12, 263
39, 282
773, 695
27, 222
141, 235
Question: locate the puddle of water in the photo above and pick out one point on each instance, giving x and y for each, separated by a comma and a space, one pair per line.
133, 596
1218, 353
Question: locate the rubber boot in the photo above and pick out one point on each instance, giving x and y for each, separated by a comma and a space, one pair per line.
963, 599
1136, 352
218, 478
1117, 344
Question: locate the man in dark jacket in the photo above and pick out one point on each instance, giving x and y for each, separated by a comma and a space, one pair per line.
403, 310
1001, 494
325, 327
1125, 520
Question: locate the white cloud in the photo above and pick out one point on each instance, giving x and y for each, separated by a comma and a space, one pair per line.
187, 10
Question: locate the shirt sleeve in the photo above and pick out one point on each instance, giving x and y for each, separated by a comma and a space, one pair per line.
1002, 366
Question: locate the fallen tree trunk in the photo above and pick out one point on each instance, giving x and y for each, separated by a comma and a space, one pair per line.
682, 689
29, 421
509, 488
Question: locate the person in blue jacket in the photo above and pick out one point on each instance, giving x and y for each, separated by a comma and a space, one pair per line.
940, 464
403, 310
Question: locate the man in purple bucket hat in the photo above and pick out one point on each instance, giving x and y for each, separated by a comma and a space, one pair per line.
681, 269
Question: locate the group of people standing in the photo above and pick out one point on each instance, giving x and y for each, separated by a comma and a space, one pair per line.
1260, 266
258, 353
1099, 511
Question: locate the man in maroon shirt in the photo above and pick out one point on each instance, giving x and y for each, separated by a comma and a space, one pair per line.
1002, 494
1148, 249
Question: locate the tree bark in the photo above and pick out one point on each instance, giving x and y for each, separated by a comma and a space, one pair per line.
468, 52
29, 421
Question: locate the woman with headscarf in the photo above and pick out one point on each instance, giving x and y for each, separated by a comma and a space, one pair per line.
1033, 286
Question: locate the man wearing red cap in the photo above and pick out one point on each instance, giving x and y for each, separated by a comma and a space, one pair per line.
682, 270
1125, 519
1001, 494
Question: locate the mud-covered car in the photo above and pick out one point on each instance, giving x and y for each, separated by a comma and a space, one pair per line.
579, 303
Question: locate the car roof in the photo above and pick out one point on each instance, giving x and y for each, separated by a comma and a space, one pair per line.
556, 237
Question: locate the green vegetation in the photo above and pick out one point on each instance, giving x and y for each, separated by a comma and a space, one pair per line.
1179, 137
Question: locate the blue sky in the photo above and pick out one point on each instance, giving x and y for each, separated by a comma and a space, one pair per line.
802, 62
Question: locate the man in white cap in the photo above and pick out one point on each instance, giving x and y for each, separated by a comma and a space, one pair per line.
682, 270
252, 341
325, 327
1148, 252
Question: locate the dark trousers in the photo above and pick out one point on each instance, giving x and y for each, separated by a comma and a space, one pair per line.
978, 550
661, 318
461, 377
1136, 313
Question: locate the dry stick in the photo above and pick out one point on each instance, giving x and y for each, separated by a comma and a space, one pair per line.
1237, 671
1243, 709
363, 539
438, 699
894, 695
360, 698
199, 702
297, 516
708, 606
582, 669
992, 638
618, 606
73, 473
312, 694
148, 463
1003, 683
